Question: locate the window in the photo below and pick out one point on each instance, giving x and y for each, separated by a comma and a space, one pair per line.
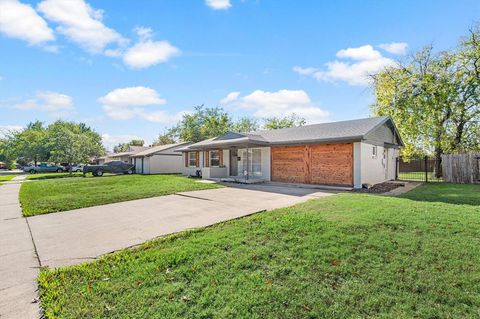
257, 162
252, 162
374, 151
215, 158
192, 159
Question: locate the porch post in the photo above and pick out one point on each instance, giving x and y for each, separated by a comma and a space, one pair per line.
248, 166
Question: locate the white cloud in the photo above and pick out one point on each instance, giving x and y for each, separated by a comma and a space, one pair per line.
131, 102
304, 71
18, 20
82, 24
232, 96
365, 61
395, 47
218, 4
110, 140
147, 52
163, 117
54, 103
280, 103
365, 52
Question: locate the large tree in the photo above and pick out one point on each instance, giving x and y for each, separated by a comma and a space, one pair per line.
29, 144
123, 147
69, 142
433, 98
292, 120
245, 125
164, 139
60, 142
205, 123
202, 124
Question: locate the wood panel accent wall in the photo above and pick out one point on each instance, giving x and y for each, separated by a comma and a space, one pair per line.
330, 164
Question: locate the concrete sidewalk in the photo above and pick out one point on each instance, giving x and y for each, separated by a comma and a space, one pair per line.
79, 235
19, 265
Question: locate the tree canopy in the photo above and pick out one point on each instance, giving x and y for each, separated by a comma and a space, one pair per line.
205, 123
123, 147
292, 120
434, 98
60, 142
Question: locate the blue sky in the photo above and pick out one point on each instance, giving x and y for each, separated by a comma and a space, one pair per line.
130, 68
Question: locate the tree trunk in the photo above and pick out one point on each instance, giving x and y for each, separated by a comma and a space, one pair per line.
438, 162
459, 131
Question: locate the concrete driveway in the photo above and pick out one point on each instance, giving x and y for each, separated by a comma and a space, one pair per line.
83, 234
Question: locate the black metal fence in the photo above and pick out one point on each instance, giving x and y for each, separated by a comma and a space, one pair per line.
425, 169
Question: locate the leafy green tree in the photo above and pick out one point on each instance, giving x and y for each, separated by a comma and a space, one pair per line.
292, 120
434, 99
123, 147
69, 142
245, 125
202, 124
164, 139
29, 143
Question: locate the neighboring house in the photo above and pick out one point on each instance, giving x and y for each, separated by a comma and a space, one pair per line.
347, 153
122, 156
163, 159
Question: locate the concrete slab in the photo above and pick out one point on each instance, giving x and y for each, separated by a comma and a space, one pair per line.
19, 265
79, 235
404, 189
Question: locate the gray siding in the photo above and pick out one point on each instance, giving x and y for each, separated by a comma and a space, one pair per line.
382, 134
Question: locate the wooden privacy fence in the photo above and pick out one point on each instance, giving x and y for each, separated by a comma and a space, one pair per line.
461, 168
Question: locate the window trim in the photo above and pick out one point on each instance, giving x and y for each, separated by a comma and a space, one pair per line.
374, 151
195, 164
210, 158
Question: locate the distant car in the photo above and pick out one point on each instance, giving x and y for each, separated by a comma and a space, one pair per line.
43, 168
77, 168
118, 167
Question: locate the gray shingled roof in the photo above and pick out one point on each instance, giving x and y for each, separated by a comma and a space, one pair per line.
159, 149
351, 130
344, 130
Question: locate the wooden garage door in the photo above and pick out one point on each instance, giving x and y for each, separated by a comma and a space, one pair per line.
288, 164
330, 164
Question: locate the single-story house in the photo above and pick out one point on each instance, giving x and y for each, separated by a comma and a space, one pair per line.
347, 153
163, 159
122, 156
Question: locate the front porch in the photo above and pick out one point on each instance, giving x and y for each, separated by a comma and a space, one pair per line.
246, 164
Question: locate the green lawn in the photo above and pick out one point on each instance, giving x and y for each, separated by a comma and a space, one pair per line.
6, 178
60, 194
345, 256
53, 175
418, 176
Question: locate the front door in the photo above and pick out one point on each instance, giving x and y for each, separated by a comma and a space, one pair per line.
233, 162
